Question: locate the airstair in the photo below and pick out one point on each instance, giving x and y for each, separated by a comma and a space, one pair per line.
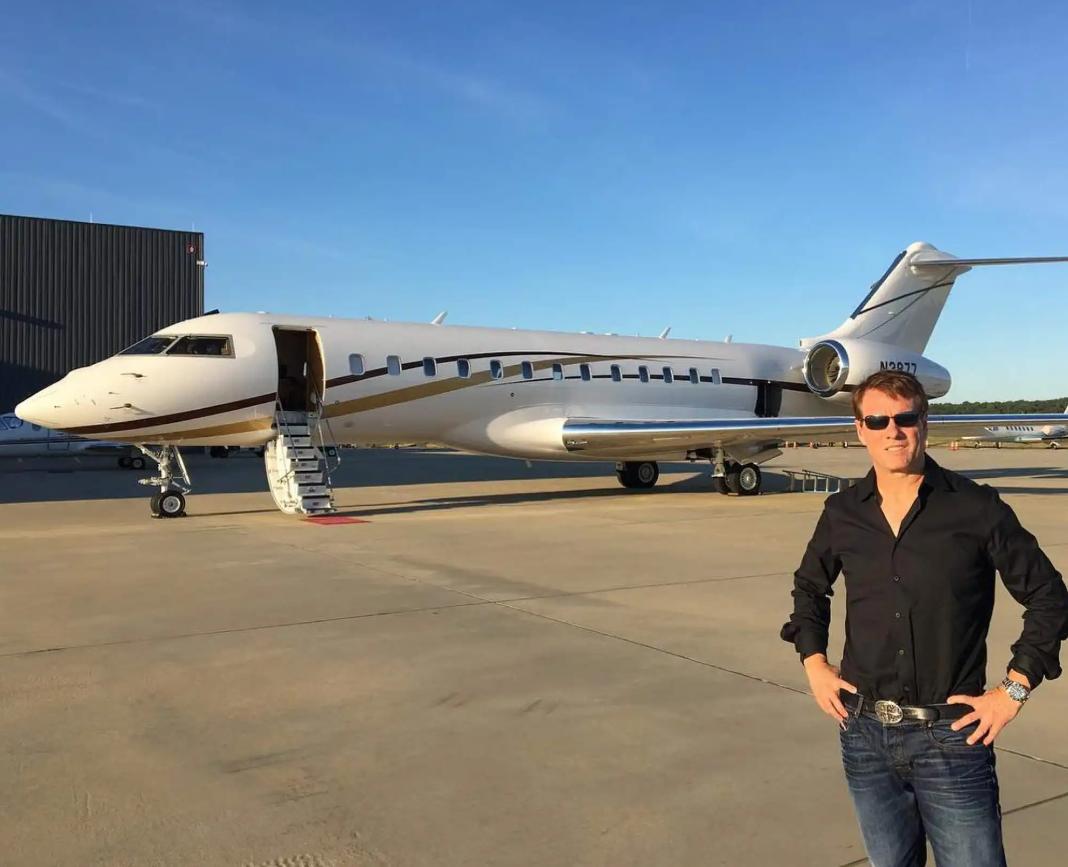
812, 482
298, 470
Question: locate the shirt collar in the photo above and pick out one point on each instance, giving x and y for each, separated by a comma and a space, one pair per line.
934, 478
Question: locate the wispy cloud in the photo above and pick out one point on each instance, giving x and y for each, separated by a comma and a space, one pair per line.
19, 90
389, 64
115, 97
32, 94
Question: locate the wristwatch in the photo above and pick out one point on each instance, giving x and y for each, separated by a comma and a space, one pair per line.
1017, 691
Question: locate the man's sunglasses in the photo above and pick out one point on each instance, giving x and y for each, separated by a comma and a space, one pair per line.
881, 422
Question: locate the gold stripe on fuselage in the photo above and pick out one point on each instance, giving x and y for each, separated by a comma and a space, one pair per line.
222, 430
444, 386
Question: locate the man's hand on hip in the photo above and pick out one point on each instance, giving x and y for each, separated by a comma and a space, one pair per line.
825, 682
993, 710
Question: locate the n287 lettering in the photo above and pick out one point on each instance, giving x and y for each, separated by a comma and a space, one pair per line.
905, 366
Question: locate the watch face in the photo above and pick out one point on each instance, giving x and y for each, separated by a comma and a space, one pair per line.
1015, 690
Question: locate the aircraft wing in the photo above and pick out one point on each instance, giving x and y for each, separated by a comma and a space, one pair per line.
650, 436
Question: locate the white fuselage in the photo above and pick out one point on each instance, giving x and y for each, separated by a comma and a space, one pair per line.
494, 391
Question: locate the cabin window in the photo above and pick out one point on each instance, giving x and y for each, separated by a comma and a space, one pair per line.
695, 377
558, 370
430, 367
584, 372
643, 373
528, 370
496, 371
668, 377
715, 377
191, 344
617, 374
149, 346
463, 368
393, 365
356, 365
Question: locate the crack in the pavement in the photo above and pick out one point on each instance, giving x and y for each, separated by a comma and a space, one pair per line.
663, 650
238, 629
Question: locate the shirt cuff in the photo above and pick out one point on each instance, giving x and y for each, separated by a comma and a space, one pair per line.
805, 642
1027, 666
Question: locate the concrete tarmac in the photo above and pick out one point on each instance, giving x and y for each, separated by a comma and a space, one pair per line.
493, 665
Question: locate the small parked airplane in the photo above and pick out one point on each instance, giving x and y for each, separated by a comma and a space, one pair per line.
1053, 434
294, 384
19, 439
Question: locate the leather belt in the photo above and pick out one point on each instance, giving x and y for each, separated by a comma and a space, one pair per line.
891, 713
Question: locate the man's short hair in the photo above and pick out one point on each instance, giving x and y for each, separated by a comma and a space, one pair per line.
893, 382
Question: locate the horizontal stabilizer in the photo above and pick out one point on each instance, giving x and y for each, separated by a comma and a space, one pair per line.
934, 259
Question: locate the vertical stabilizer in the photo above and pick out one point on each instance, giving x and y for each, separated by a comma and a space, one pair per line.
904, 304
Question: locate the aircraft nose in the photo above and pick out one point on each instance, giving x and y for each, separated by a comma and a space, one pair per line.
30, 410
45, 407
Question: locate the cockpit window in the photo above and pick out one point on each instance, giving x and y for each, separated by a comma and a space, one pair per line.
192, 344
154, 345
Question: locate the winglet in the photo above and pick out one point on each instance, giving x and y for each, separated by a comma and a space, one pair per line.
665, 332
440, 317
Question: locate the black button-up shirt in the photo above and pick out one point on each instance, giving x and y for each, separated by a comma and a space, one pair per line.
918, 605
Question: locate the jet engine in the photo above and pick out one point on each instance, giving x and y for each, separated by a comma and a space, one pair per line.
834, 368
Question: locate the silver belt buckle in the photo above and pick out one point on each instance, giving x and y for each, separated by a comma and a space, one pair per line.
889, 712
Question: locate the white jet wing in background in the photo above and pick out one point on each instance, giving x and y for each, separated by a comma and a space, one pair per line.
662, 437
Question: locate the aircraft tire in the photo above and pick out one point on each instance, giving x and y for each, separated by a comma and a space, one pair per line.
719, 485
135, 463
748, 480
153, 504
171, 504
125, 462
638, 474
646, 474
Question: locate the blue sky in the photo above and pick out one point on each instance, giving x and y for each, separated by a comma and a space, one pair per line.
607, 166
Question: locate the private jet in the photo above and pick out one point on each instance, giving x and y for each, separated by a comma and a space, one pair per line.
21, 439
296, 385
1054, 435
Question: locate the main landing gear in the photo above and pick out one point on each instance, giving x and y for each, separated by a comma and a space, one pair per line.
637, 474
731, 477
169, 500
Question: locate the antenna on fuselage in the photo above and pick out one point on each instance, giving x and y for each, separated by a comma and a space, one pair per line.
440, 317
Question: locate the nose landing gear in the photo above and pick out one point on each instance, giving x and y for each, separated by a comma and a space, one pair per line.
169, 500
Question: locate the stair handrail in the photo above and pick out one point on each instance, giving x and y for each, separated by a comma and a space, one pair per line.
320, 419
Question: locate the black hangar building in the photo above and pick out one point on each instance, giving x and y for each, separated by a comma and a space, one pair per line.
74, 293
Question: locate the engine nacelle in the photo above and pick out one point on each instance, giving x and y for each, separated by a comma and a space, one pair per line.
833, 368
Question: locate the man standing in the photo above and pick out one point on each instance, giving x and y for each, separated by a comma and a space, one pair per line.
918, 547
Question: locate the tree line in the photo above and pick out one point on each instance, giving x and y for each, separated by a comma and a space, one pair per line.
999, 407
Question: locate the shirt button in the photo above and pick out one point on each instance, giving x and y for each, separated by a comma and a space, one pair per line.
897, 577
898, 615
901, 653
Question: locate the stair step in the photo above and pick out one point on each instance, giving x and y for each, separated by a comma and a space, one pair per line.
310, 466
318, 504
308, 478
313, 490
302, 442
294, 430
292, 454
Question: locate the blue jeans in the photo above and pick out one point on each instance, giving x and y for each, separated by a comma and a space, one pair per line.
914, 782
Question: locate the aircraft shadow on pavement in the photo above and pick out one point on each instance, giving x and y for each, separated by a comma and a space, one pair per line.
37, 480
